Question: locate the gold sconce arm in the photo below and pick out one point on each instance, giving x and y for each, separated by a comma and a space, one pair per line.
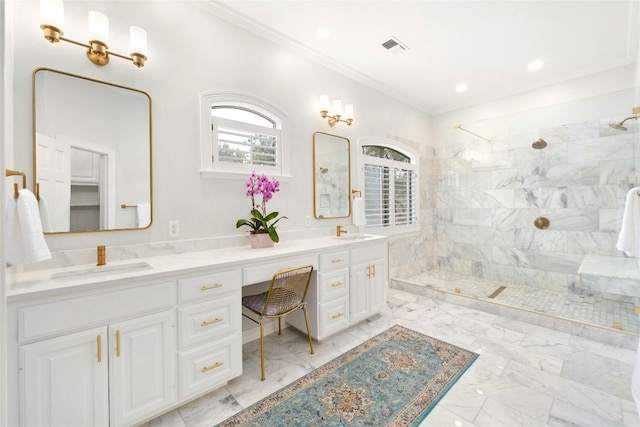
97, 51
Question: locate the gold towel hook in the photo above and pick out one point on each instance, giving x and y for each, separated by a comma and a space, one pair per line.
11, 172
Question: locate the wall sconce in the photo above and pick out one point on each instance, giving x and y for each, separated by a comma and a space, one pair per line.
336, 112
51, 20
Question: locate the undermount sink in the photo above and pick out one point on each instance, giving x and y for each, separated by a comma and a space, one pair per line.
98, 271
353, 236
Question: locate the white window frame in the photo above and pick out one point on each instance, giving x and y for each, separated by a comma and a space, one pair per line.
209, 166
392, 229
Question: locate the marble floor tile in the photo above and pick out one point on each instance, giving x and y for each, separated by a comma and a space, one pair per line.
526, 375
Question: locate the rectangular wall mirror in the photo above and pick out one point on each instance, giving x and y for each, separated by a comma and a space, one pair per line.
331, 176
91, 153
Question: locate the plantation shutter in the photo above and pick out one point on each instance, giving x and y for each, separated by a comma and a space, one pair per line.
405, 197
389, 199
376, 195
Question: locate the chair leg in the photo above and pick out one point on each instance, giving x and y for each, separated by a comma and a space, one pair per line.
279, 325
262, 350
306, 321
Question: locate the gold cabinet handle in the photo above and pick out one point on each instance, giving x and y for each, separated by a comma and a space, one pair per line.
118, 343
99, 342
210, 367
368, 271
336, 284
336, 316
374, 270
214, 286
337, 260
211, 322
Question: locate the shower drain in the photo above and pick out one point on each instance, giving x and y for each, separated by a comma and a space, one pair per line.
497, 291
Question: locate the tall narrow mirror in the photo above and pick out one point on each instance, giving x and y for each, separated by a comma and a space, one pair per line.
331, 176
91, 153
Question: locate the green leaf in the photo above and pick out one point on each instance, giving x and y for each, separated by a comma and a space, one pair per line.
273, 234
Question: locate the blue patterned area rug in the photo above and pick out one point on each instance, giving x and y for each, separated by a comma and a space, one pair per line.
394, 379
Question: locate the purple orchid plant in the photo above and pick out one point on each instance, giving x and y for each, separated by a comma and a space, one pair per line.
261, 221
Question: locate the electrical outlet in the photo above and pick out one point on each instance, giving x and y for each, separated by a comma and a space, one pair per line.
307, 221
174, 228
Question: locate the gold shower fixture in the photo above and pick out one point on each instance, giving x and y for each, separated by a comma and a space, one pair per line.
472, 133
336, 115
51, 20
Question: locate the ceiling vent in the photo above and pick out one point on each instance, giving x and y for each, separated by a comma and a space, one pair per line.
394, 45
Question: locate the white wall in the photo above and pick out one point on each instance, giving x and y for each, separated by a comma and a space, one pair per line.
191, 51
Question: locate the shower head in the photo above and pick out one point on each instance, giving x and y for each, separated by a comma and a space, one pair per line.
620, 125
539, 144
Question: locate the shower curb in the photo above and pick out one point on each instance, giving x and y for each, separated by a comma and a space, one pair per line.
612, 336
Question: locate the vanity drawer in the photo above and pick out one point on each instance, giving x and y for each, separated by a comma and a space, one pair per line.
334, 316
368, 253
209, 285
334, 261
204, 321
53, 318
209, 366
333, 285
264, 272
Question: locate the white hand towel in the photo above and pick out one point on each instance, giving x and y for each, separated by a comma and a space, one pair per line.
629, 237
143, 215
25, 241
358, 215
44, 214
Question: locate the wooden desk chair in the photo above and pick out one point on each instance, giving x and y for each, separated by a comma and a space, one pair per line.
286, 294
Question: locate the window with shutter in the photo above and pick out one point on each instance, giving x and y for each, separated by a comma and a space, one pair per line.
242, 134
390, 183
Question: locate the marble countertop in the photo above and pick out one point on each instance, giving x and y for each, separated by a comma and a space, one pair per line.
608, 266
46, 281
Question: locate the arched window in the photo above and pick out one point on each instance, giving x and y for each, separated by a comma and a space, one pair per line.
241, 134
389, 177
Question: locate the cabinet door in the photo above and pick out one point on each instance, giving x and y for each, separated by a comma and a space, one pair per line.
142, 367
64, 381
359, 292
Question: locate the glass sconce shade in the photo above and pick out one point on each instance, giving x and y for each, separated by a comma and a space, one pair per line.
52, 13
98, 27
138, 40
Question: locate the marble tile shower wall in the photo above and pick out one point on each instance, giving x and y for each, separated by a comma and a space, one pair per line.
488, 195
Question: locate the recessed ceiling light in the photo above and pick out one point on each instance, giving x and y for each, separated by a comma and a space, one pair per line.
535, 65
323, 33
461, 87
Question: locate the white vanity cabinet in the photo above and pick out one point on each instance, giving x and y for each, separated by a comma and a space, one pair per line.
327, 298
210, 331
100, 359
351, 286
367, 294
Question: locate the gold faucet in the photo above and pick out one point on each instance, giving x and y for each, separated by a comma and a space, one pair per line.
102, 255
340, 230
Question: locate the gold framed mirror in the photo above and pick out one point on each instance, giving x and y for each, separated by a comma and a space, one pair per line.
331, 176
91, 153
